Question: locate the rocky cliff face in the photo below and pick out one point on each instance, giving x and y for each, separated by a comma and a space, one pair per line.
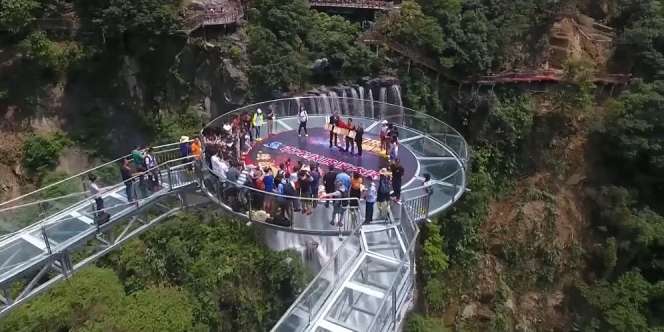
213, 74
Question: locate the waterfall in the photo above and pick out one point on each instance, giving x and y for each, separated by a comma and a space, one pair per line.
355, 102
371, 105
396, 93
326, 104
362, 102
334, 102
382, 98
344, 101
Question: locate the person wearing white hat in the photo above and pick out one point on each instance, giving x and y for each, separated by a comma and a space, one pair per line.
257, 122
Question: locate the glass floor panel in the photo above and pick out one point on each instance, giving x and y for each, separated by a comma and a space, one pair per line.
354, 310
425, 147
15, 253
64, 230
376, 273
384, 242
439, 169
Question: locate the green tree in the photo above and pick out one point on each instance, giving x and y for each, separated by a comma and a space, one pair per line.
113, 18
642, 40
236, 283
91, 294
16, 14
335, 38
411, 27
623, 305
275, 65
154, 309
41, 152
631, 141
418, 323
56, 56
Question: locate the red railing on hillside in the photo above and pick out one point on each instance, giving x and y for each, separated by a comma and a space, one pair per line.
544, 76
364, 4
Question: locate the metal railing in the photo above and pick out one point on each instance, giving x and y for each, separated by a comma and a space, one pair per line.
249, 202
308, 305
29, 276
22, 212
405, 118
364, 4
392, 306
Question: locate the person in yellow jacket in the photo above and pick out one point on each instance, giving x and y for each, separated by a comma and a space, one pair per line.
257, 122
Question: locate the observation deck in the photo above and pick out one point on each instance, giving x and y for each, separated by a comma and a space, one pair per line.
366, 278
367, 284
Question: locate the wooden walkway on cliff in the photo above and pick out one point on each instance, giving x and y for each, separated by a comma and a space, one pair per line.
535, 76
353, 4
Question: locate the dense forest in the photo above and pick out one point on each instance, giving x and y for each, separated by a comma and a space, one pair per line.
563, 224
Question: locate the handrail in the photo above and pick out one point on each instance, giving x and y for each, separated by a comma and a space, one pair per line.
410, 251
313, 199
46, 200
374, 102
107, 189
80, 174
311, 284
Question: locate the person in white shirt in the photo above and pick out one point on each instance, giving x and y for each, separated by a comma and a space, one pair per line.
219, 167
303, 117
95, 193
153, 172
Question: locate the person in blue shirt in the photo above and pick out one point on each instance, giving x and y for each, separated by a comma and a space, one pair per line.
268, 181
344, 178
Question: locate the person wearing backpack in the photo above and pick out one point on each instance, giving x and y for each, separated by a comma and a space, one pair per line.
329, 182
339, 204
383, 194
397, 173
290, 191
151, 167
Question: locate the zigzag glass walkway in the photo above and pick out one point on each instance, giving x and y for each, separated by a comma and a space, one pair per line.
365, 286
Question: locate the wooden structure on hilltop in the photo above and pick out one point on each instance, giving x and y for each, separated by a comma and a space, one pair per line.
213, 13
353, 4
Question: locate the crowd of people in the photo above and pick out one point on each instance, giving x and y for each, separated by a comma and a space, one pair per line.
298, 188
290, 187
140, 174
353, 136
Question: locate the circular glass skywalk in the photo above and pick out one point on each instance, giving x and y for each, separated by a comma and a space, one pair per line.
427, 146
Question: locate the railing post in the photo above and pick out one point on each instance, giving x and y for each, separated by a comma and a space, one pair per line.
170, 179
394, 307
336, 266
249, 198
309, 309
48, 245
